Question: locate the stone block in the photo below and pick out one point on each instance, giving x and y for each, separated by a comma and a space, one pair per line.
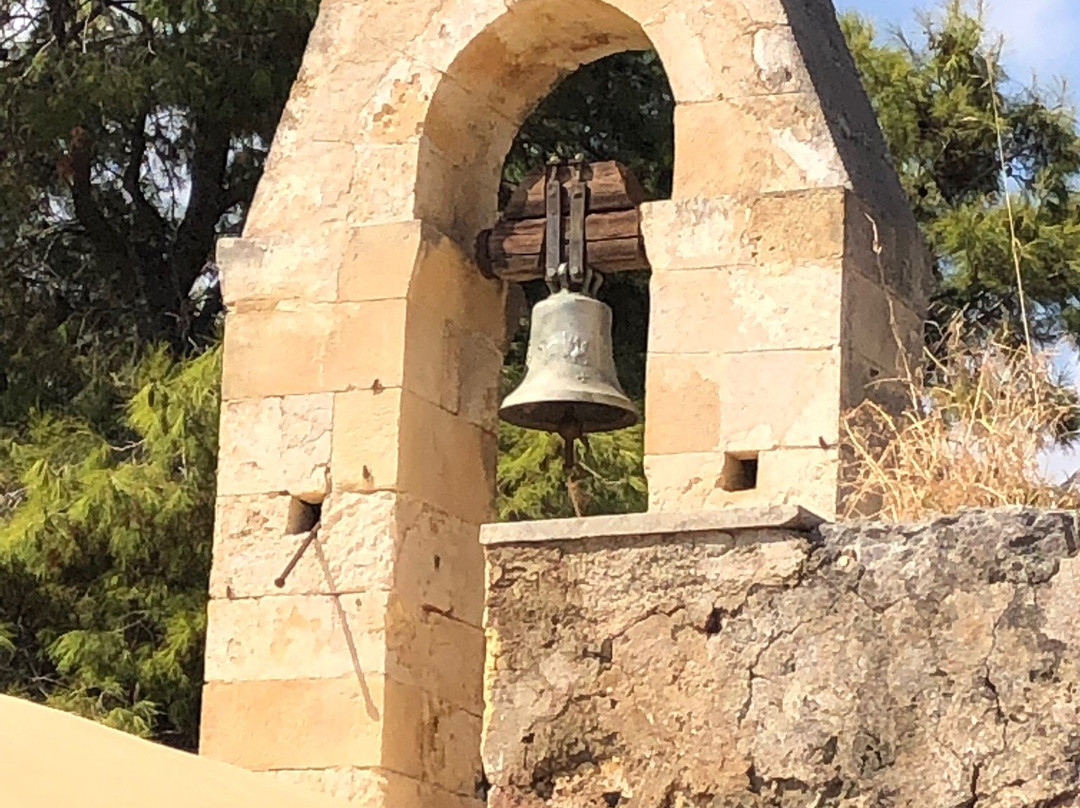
781, 399
308, 180
354, 549
892, 253
379, 261
439, 564
863, 379
697, 233
746, 308
367, 787
682, 402
296, 637
276, 445
456, 368
367, 426
693, 481
806, 477
446, 461
274, 352
295, 724
881, 327
800, 226
447, 280
365, 345
300, 347
379, 194
348, 30
451, 750
396, 111
441, 798
784, 144
437, 653
735, 527
479, 373
709, 55
432, 357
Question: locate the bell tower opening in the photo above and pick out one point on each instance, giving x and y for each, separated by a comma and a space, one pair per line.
621, 109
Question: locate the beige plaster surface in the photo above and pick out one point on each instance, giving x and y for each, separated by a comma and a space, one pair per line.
49, 758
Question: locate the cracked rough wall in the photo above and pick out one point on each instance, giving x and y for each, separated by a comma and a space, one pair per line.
929, 666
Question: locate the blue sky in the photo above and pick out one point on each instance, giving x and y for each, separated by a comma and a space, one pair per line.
1041, 36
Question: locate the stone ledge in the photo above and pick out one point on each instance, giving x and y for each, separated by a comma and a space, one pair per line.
636, 525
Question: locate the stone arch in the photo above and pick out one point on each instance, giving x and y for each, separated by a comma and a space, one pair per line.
362, 346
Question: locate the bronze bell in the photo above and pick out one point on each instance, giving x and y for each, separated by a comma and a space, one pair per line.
570, 384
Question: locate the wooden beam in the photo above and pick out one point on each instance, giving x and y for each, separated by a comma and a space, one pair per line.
513, 250
607, 257
611, 187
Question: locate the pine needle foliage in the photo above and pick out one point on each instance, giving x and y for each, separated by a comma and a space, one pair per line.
104, 559
943, 103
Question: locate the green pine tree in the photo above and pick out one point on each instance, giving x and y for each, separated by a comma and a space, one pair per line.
105, 553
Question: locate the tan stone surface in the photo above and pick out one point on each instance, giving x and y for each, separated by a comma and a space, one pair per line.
697, 232
276, 444
801, 411
358, 786
49, 758
305, 267
808, 477
799, 226
296, 637
354, 550
784, 144
733, 526
706, 62
446, 461
322, 192
437, 653
746, 308
378, 197
439, 564
379, 261
688, 482
683, 404
376, 787
924, 666
446, 280
433, 346
296, 348
363, 721
367, 427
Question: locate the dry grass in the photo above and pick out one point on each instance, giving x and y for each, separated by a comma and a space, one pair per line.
973, 435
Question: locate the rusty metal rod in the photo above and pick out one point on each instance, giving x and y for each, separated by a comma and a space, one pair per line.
279, 582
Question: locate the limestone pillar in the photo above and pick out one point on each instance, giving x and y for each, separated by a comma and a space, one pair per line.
362, 397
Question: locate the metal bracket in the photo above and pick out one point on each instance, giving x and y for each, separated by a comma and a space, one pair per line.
569, 271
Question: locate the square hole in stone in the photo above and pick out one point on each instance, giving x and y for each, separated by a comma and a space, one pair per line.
740, 472
303, 515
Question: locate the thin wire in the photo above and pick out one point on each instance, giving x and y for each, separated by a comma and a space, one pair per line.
1014, 242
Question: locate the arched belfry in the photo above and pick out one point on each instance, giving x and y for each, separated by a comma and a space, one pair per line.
363, 347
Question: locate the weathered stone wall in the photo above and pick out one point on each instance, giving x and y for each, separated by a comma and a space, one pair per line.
926, 666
